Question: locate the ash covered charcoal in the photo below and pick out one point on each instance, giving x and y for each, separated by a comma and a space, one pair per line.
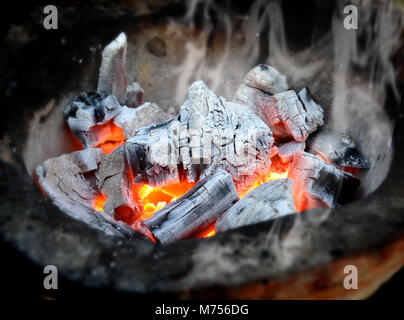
208, 130
288, 150
115, 182
340, 149
134, 95
287, 114
194, 211
87, 114
254, 99
267, 79
112, 76
268, 201
289, 118
318, 183
70, 182
131, 120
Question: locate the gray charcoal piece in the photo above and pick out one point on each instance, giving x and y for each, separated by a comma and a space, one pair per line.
112, 76
288, 150
289, 118
340, 149
268, 201
134, 95
267, 79
194, 211
114, 181
133, 119
69, 181
318, 183
87, 113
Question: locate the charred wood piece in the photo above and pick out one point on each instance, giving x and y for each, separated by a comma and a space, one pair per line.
267, 79
340, 149
318, 183
268, 201
287, 114
289, 149
133, 119
87, 114
289, 118
134, 95
194, 211
70, 182
114, 181
112, 76
208, 130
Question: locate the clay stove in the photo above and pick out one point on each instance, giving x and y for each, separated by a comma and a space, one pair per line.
315, 243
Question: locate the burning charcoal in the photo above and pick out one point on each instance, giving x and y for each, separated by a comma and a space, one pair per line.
318, 183
314, 112
114, 181
268, 201
86, 115
134, 95
131, 120
289, 149
267, 79
112, 78
340, 149
194, 211
289, 119
254, 99
70, 183
207, 130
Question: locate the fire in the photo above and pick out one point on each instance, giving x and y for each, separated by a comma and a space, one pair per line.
99, 201
112, 137
156, 198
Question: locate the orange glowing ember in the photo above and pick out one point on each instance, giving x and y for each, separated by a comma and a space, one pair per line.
268, 176
99, 201
111, 137
155, 198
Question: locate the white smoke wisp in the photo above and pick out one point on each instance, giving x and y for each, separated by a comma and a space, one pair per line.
347, 70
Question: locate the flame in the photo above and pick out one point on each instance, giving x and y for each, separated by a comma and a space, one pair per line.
156, 198
270, 175
99, 201
112, 137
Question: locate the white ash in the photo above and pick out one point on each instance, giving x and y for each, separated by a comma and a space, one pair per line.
133, 119
267, 79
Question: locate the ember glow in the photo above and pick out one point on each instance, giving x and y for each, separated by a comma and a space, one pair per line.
99, 201
156, 198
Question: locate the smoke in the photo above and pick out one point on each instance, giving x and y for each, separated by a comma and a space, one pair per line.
349, 72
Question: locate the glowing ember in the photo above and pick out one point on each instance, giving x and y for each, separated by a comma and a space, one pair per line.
99, 201
208, 232
269, 176
111, 137
156, 198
